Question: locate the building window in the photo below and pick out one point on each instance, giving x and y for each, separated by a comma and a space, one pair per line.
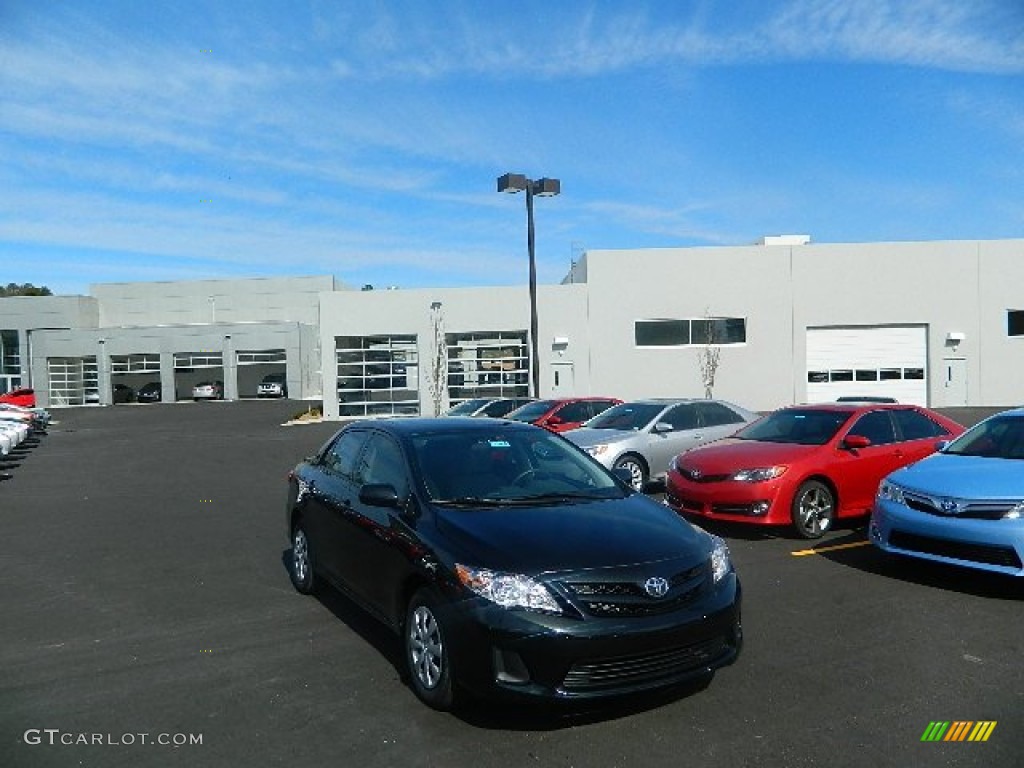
378, 376
487, 364
704, 331
10, 353
1015, 322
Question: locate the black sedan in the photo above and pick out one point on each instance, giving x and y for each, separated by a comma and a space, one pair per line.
510, 562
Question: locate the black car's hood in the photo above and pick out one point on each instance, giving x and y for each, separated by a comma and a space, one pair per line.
588, 534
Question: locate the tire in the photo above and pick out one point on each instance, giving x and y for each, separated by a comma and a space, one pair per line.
300, 565
637, 471
426, 652
813, 510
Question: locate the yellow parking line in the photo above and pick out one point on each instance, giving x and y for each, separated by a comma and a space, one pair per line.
803, 552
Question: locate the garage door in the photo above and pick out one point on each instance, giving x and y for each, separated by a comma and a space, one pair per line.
880, 361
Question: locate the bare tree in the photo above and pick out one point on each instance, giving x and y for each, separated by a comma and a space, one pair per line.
709, 355
439, 359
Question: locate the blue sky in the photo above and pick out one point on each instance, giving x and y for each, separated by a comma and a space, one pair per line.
189, 140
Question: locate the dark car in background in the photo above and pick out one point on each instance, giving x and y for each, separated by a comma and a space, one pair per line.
494, 407
151, 392
123, 394
510, 563
562, 414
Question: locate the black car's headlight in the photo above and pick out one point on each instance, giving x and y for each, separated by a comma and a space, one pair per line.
721, 563
889, 491
509, 590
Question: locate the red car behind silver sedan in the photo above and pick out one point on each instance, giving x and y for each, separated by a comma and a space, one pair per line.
804, 466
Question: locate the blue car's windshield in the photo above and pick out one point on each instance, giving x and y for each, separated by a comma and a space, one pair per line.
802, 426
1000, 437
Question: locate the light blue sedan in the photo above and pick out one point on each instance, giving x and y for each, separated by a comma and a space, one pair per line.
963, 505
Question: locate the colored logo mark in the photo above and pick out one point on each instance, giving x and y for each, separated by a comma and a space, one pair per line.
959, 730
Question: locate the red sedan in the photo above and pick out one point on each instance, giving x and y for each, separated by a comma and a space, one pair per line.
804, 466
23, 396
562, 414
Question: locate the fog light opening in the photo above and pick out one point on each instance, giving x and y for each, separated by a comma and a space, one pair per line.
760, 508
510, 668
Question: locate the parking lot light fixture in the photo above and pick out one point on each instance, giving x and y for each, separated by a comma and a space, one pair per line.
544, 187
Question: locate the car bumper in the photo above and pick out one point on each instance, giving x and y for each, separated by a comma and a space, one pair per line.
729, 501
518, 654
988, 545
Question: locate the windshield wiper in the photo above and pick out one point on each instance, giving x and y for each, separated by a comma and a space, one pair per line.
472, 501
565, 496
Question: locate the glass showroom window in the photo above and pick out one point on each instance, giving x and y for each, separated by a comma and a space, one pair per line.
487, 364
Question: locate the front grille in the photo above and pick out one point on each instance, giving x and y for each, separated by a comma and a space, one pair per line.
644, 669
628, 598
975, 553
695, 476
974, 510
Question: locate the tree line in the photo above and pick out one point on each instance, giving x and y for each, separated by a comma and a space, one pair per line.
25, 289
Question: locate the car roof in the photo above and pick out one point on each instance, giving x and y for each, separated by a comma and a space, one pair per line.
849, 407
419, 425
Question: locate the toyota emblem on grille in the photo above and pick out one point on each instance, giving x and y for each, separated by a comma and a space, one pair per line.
949, 506
656, 586
694, 474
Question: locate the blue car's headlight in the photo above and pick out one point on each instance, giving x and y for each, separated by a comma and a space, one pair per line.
721, 563
890, 492
509, 590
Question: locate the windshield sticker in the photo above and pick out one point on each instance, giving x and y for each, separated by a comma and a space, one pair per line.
499, 444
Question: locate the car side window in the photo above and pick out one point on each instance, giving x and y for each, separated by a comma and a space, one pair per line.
382, 462
914, 425
681, 417
717, 415
341, 456
573, 412
876, 427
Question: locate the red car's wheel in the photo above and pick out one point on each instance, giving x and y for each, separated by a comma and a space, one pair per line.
814, 509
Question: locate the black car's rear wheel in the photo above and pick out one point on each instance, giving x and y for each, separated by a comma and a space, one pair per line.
301, 565
426, 652
814, 509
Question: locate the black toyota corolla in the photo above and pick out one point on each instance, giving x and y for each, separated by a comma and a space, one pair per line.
510, 562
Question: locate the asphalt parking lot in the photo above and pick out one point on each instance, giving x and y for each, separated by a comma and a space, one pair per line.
144, 595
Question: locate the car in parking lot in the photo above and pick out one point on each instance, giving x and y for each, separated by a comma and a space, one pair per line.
208, 390
24, 396
494, 407
509, 563
642, 436
151, 392
562, 414
273, 385
804, 466
123, 394
963, 505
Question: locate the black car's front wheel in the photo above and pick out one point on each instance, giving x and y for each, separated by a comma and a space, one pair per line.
301, 565
426, 652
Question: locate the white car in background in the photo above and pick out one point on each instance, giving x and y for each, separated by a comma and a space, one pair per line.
643, 436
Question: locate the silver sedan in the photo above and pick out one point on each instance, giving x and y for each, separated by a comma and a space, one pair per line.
645, 435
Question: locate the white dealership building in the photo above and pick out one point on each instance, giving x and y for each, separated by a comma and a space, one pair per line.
935, 323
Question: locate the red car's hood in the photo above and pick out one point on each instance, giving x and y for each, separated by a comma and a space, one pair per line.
731, 454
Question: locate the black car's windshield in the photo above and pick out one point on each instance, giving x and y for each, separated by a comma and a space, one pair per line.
626, 416
506, 467
1001, 437
802, 426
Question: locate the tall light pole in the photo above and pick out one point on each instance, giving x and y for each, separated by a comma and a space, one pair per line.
517, 182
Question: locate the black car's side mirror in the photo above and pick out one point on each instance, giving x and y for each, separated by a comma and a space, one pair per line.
380, 495
623, 474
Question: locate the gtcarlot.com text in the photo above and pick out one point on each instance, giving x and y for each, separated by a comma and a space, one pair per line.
57, 737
